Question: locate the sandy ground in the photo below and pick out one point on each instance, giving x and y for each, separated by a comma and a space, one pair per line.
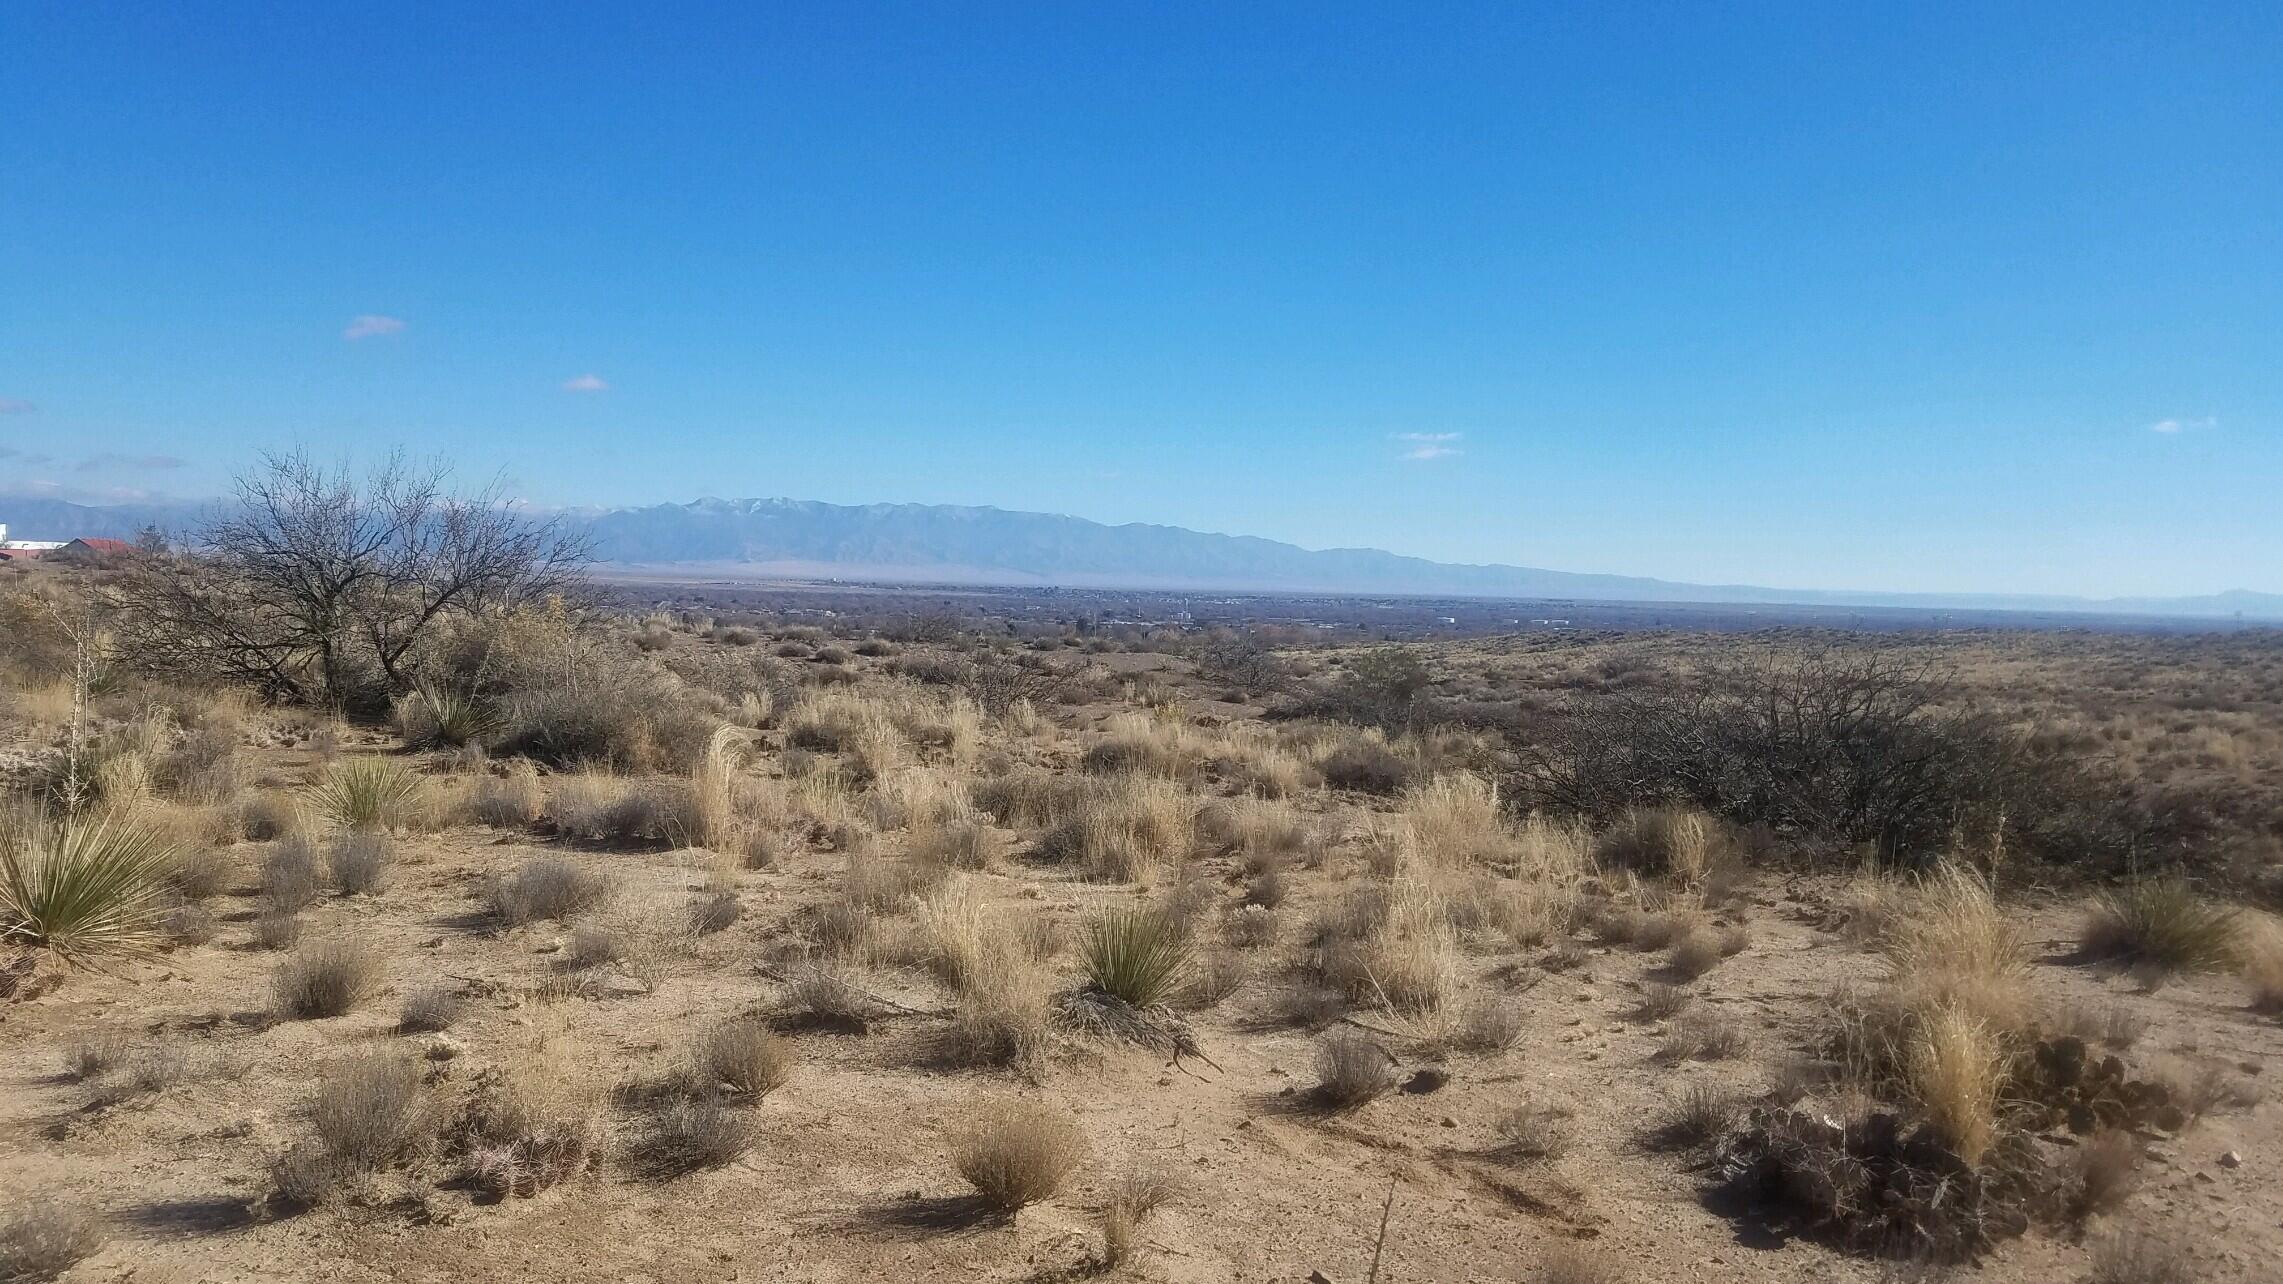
852, 1181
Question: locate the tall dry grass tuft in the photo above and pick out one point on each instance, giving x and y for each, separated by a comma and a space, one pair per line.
1127, 828
1394, 946
713, 790
1954, 947
1676, 843
2161, 924
1956, 1069
2261, 962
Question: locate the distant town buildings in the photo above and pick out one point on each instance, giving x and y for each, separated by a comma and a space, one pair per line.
20, 550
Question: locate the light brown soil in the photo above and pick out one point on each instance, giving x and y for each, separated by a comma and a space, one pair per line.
852, 1182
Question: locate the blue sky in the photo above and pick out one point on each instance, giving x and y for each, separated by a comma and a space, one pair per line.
1814, 295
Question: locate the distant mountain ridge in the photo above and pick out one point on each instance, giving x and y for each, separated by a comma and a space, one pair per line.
943, 542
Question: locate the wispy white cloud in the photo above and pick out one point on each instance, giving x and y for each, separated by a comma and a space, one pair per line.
12, 406
2174, 427
1429, 445
372, 326
586, 383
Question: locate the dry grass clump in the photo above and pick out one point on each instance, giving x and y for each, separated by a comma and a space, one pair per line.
688, 1133
1363, 763
544, 887
1953, 947
2261, 962
326, 978
824, 997
533, 1124
1029, 797
1701, 1115
187, 925
198, 872
2102, 1173
1453, 819
511, 801
2160, 924
1490, 1025
94, 1055
1251, 926
1956, 1070
1702, 1036
83, 890
289, 876
365, 793
1698, 951
739, 1057
369, 1112
1133, 1197
359, 861
1004, 1013
1394, 947
955, 844
1569, 1263
428, 1010
888, 885
41, 1238
274, 931
2131, 1256
1145, 745
1125, 829
1142, 956
1353, 1070
1676, 843
1264, 834
1016, 1152
598, 808
1532, 1131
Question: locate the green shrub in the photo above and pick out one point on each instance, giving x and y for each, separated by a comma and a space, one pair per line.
365, 793
1139, 955
2161, 923
83, 890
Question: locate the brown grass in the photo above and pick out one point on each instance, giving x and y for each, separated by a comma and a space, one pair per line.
1352, 1070
742, 1058
1016, 1153
42, 1237
326, 978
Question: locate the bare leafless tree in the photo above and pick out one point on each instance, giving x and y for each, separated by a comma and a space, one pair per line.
318, 584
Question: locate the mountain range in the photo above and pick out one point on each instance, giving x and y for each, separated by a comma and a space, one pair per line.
940, 543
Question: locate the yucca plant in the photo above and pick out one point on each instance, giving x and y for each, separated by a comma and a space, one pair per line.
2161, 923
365, 793
1139, 955
433, 716
83, 890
